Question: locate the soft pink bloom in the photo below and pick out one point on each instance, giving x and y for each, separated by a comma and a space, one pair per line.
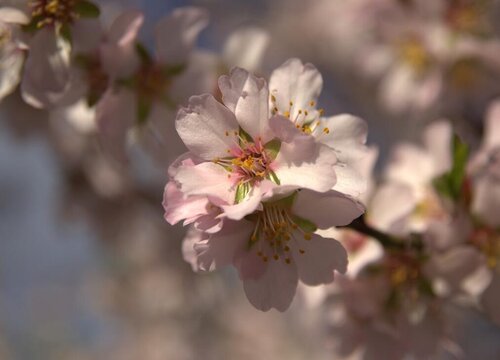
245, 48
11, 48
385, 314
485, 170
243, 145
407, 200
295, 88
49, 77
276, 246
151, 88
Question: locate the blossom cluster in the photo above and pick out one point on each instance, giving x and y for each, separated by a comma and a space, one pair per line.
264, 171
262, 179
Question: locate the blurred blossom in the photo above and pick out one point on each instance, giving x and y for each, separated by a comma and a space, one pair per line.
390, 240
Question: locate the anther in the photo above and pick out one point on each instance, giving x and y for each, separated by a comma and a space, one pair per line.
302, 251
307, 236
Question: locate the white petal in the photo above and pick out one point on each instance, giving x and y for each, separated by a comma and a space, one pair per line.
115, 115
296, 82
307, 165
437, 140
247, 96
220, 248
492, 126
10, 69
320, 259
275, 288
391, 207
245, 48
326, 209
206, 179
207, 127
176, 33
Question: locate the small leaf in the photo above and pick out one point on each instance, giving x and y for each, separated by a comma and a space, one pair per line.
65, 33
273, 177
450, 184
273, 148
245, 137
87, 9
242, 191
285, 202
32, 26
143, 110
143, 53
304, 224
174, 70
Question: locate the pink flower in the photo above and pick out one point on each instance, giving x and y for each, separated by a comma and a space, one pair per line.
149, 91
57, 30
276, 246
485, 170
407, 200
295, 89
11, 49
243, 146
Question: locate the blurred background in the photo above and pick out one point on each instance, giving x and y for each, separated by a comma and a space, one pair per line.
89, 269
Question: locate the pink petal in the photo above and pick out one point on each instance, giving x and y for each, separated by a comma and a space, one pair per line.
206, 179
391, 207
192, 237
491, 298
492, 126
220, 248
115, 114
296, 82
275, 288
176, 33
207, 127
178, 207
306, 164
326, 209
247, 96
320, 259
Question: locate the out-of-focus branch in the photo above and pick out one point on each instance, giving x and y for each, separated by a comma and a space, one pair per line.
386, 240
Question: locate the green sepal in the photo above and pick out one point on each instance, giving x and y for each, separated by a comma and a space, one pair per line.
87, 9
273, 148
450, 184
273, 177
32, 26
143, 53
143, 110
65, 33
285, 202
242, 191
244, 136
174, 70
306, 225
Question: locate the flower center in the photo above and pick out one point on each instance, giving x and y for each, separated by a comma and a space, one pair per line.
307, 119
467, 17
276, 231
5, 35
97, 79
429, 208
53, 12
487, 241
151, 82
413, 53
465, 73
249, 162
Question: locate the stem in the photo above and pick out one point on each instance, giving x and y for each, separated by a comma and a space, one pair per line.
386, 240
